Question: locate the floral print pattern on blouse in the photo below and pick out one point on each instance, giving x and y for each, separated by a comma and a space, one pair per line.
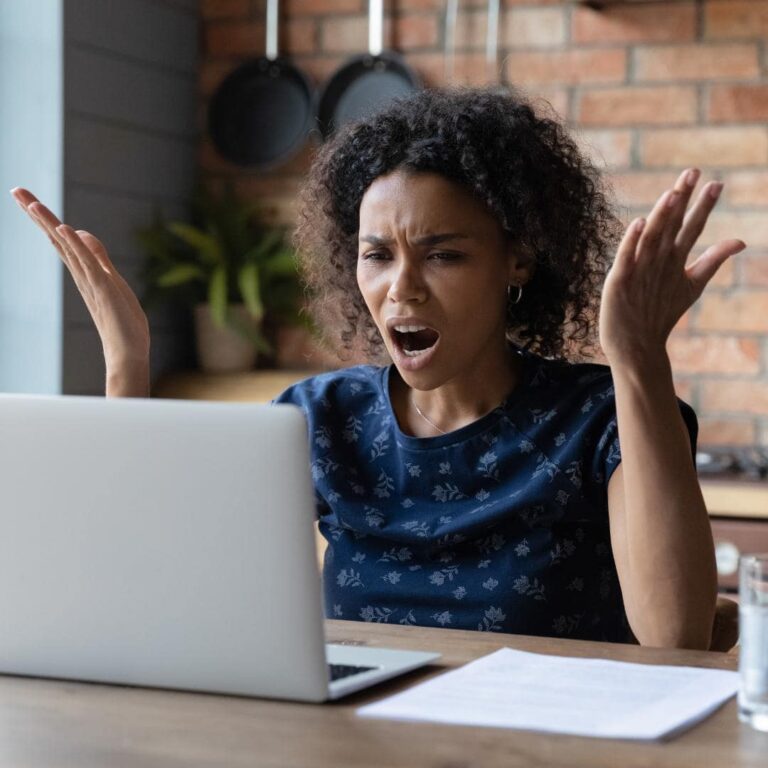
500, 526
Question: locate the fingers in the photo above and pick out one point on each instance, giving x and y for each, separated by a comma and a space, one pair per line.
704, 268
625, 255
697, 217
650, 242
683, 189
77, 250
96, 247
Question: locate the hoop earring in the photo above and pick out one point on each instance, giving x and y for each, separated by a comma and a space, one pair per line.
519, 294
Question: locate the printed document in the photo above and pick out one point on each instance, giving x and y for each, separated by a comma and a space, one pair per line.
584, 697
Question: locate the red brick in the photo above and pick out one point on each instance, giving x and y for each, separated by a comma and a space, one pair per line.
704, 146
743, 311
666, 22
534, 28
414, 31
513, 3
551, 102
750, 227
735, 19
738, 103
684, 389
610, 149
350, 33
470, 30
754, 270
714, 354
696, 62
299, 36
735, 396
234, 39
747, 189
224, 9
304, 8
439, 5
469, 68
604, 65
726, 431
212, 72
670, 105
319, 68
641, 189
521, 28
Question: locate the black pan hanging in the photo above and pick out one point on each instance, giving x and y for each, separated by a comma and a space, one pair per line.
367, 82
262, 113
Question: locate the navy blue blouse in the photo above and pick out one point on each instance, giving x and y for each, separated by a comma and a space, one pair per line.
501, 525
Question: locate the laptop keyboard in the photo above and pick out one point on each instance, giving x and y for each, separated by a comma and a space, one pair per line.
338, 671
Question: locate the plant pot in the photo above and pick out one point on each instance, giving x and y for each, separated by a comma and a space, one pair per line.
223, 350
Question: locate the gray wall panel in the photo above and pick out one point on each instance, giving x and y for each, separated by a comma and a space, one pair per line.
130, 93
141, 29
120, 159
130, 145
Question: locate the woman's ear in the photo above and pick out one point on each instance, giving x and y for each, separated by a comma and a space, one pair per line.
522, 263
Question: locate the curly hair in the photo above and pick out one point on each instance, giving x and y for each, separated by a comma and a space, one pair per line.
523, 166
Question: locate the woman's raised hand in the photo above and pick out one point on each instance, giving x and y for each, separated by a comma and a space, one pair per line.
119, 318
649, 287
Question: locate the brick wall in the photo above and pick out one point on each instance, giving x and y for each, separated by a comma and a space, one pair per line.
648, 87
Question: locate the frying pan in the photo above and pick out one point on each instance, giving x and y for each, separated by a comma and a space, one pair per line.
365, 83
262, 112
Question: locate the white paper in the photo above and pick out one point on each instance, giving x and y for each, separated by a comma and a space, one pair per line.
584, 697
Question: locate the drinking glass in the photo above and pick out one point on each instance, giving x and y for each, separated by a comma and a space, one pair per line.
753, 636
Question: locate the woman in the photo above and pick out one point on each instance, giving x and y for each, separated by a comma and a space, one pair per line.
484, 480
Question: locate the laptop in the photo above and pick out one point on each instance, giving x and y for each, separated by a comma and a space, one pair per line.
169, 544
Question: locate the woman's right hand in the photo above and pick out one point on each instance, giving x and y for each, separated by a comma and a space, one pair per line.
117, 313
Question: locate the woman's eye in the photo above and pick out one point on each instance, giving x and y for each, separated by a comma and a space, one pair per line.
374, 256
443, 256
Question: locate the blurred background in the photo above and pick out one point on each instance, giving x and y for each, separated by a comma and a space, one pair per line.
105, 109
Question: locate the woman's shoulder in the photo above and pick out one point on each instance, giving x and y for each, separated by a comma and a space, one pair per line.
337, 387
563, 379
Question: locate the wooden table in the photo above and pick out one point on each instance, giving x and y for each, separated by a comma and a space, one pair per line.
51, 723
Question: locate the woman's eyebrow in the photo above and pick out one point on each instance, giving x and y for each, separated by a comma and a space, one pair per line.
426, 240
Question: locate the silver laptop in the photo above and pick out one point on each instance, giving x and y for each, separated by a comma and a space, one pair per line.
170, 544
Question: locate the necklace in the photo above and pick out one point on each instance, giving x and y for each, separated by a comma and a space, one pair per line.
427, 419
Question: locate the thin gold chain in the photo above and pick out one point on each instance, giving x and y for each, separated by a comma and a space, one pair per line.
427, 419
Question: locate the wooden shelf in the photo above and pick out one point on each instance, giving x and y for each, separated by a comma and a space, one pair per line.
249, 387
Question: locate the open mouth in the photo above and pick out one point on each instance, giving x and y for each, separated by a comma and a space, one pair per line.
414, 340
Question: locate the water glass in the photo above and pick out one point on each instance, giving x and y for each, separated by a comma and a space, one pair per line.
753, 636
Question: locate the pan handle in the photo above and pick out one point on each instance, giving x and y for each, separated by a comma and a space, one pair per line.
492, 40
375, 27
451, 12
273, 11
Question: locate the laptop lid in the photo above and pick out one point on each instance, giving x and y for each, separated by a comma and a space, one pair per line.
159, 542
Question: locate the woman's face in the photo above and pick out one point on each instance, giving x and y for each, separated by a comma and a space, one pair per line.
433, 268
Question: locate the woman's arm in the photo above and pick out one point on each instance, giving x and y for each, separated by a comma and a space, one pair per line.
660, 531
120, 321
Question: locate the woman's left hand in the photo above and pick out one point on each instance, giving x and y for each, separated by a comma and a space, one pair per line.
649, 287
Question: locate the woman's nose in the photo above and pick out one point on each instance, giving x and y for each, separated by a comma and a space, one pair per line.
407, 285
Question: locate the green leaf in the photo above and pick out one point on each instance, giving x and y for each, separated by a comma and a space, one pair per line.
178, 275
217, 296
269, 242
206, 245
248, 281
281, 264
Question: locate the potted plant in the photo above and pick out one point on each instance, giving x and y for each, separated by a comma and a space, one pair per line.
230, 270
